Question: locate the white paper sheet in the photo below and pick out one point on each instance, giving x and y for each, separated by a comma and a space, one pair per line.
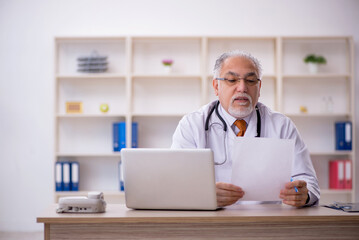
262, 166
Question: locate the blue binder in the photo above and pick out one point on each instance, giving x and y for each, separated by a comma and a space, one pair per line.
120, 177
66, 166
58, 176
134, 135
343, 135
119, 136
75, 176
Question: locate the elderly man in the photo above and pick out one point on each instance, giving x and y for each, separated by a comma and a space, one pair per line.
237, 113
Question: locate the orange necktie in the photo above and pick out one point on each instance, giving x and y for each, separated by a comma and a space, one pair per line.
242, 126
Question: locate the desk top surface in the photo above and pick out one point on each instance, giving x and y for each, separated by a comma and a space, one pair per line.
119, 213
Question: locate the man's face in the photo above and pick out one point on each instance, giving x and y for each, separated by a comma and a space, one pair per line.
238, 99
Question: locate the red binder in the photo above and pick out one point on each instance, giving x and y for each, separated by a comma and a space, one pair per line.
348, 174
336, 174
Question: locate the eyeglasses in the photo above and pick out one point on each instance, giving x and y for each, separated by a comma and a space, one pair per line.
249, 81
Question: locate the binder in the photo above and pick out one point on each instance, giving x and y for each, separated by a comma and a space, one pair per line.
58, 177
336, 174
134, 135
119, 136
120, 177
343, 135
75, 176
348, 174
66, 176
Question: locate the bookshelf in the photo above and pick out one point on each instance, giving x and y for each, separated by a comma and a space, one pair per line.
334, 81
138, 89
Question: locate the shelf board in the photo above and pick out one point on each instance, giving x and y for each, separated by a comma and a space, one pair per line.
314, 38
84, 193
336, 191
167, 38
81, 115
317, 76
111, 154
92, 76
241, 38
86, 39
318, 115
332, 153
264, 76
166, 76
158, 114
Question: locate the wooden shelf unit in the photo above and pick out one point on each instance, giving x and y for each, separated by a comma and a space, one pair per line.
138, 89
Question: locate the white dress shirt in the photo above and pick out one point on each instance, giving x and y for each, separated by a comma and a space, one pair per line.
190, 133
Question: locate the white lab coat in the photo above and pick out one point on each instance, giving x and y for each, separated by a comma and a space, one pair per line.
190, 133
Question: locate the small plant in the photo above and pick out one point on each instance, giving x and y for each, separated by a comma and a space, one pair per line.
312, 58
167, 62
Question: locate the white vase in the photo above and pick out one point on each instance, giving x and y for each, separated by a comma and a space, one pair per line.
167, 69
313, 68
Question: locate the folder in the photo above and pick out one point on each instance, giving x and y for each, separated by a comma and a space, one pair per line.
348, 174
336, 174
134, 135
343, 136
66, 176
58, 176
119, 136
120, 177
75, 172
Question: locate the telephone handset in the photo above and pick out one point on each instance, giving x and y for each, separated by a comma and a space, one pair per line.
93, 203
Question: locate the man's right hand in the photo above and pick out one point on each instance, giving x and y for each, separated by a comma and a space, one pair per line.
227, 194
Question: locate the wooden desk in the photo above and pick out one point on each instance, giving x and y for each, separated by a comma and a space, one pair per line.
240, 221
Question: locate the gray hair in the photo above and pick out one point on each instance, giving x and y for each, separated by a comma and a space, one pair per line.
236, 53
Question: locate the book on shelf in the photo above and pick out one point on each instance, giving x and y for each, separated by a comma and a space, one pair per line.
343, 135
67, 176
119, 135
340, 174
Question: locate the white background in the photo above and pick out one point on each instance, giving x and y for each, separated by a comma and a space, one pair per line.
27, 31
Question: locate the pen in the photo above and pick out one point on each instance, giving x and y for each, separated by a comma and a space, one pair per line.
295, 188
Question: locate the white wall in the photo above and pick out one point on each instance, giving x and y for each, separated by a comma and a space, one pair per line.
27, 29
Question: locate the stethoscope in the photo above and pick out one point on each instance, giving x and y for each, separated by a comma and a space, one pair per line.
215, 108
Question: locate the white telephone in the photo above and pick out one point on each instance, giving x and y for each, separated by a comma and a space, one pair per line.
93, 203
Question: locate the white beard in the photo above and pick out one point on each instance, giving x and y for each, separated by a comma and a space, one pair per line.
238, 113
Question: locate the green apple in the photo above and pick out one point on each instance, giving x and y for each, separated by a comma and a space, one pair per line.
104, 107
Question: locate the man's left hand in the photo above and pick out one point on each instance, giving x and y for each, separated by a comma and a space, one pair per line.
293, 198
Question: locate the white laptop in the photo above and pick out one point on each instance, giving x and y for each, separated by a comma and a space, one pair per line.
178, 179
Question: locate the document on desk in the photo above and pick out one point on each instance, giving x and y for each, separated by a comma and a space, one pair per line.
262, 166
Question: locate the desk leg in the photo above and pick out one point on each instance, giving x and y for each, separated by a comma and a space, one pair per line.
47, 231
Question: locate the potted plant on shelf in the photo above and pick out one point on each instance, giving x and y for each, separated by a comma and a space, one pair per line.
314, 61
167, 64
